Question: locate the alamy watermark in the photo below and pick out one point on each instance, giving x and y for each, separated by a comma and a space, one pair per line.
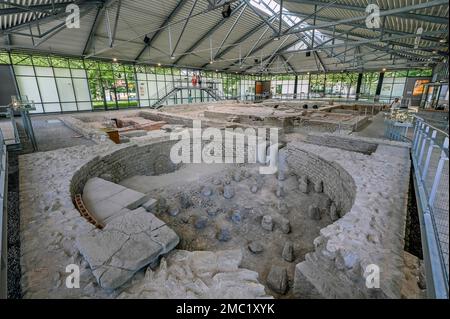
73, 279
373, 18
230, 146
372, 276
73, 19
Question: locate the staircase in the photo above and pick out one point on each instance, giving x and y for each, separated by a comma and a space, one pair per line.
214, 93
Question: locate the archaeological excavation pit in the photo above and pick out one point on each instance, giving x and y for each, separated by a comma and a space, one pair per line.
272, 219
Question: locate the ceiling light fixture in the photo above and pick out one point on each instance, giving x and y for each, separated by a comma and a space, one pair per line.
226, 10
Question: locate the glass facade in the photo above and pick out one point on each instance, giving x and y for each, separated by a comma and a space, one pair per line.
60, 84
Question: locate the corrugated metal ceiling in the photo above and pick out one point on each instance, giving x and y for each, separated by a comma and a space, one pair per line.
138, 18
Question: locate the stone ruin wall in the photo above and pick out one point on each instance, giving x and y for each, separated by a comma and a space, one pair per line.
138, 160
337, 183
349, 144
121, 164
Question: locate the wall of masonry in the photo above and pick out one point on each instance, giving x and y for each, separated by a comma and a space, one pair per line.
370, 233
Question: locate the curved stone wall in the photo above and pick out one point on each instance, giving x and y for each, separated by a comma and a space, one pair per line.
147, 159
337, 182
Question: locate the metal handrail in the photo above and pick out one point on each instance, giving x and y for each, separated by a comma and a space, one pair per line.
429, 156
3, 217
418, 118
424, 145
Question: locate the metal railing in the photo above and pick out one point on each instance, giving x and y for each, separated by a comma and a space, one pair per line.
429, 154
3, 217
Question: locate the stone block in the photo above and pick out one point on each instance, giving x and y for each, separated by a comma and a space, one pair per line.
285, 225
303, 184
288, 252
150, 205
318, 187
314, 212
128, 243
256, 247
277, 280
267, 223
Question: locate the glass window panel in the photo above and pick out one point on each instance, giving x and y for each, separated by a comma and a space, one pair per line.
44, 71
144, 103
141, 76
52, 107
21, 59
69, 107
65, 89
23, 70
28, 87
143, 90
152, 90
38, 108
47, 87
397, 90
4, 58
59, 62
84, 106
62, 72
78, 73
76, 64
41, 61
81, 90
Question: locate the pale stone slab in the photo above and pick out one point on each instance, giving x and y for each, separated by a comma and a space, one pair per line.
106, 200
128, 243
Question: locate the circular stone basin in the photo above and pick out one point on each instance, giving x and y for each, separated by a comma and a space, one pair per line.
228, 206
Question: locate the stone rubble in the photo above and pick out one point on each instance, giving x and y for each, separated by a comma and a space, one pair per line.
198, 275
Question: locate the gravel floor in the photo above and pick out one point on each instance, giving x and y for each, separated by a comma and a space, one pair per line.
14, 271
413, 241
50, 134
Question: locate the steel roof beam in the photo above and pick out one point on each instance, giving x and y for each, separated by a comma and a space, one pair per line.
162, 27
184, 28
49, 8
366, 41
209, 33
269, 56
418, 6
94, 27
230, 30
362, 26
288, 64
406, 15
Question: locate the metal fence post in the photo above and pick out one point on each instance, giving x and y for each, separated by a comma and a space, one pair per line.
437, 177
430, 152
416, 135
420, 140
424, 143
